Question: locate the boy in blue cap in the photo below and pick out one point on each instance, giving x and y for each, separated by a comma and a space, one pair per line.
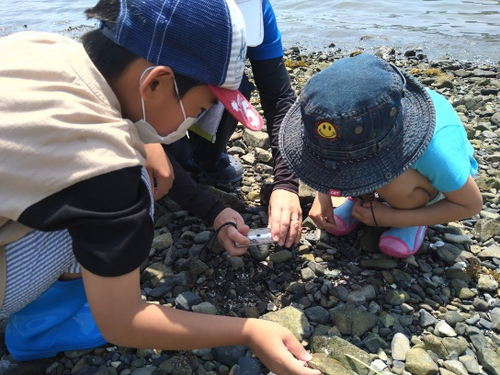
76, 215
363, 127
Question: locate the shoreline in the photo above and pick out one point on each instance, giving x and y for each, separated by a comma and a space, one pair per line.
435, 312
367, 44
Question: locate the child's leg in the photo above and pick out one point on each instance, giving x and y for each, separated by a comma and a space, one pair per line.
402, 242
410, 190
344, 221
59, 320
34, 263
46, 315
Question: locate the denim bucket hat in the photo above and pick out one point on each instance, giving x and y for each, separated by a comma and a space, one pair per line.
357, 125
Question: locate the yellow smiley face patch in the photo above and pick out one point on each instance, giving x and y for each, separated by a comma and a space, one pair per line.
327, 130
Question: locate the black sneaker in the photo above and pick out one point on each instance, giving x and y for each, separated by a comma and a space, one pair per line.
227, 170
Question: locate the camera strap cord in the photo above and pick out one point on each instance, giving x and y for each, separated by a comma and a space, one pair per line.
209, 244
372, 197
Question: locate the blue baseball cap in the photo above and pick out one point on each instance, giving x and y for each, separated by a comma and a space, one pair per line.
201, 39
357, 125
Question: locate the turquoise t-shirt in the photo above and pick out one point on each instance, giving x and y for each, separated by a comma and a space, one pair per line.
448, 160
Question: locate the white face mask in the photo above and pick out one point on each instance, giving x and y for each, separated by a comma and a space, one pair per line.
148, 133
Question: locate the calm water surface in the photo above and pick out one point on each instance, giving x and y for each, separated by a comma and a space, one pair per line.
461, 29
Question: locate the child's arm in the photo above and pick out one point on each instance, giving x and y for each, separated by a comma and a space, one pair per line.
161, 173
459, 204
124, 319
321, 211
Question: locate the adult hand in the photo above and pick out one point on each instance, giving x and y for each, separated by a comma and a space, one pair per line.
321, 212
285, 217
161, 173
278, 348
229, 235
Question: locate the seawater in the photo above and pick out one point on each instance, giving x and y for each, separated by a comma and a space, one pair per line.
459, 29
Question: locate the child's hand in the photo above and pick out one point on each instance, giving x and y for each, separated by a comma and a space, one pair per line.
278, 348
384, 214
229, 235
322, 212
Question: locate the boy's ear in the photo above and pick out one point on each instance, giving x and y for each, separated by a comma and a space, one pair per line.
151, 82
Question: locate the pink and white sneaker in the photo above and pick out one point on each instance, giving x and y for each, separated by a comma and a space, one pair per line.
402, 242
344, 221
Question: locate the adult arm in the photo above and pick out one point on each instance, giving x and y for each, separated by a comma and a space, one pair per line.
277, 96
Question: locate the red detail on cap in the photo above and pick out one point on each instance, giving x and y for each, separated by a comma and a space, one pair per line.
239, 107
334, 193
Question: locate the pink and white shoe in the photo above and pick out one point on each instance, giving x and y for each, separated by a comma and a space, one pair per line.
402, 242
344, 221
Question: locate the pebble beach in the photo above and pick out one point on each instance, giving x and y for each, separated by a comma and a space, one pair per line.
355, 309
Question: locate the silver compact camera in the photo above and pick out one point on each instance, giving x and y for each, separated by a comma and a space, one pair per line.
259, 236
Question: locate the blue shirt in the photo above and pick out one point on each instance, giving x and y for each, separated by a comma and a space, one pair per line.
448, 160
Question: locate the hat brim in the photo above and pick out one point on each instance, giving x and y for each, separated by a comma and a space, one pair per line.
367, 175
239, 107
254, 23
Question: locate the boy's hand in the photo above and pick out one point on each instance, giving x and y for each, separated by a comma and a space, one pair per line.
278, 348
229, 235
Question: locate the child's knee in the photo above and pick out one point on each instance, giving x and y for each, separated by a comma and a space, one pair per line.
419, 197
408, 199
408, 191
